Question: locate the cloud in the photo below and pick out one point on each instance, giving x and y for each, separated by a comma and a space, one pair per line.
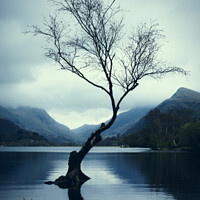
24, 11
28, 79
19, 52
53, 88
89, 116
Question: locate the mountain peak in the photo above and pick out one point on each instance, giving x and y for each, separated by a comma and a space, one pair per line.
183, 99
186, 94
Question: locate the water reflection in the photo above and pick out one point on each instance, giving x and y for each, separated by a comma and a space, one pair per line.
174, 175
75, 193
141, 176
27, 168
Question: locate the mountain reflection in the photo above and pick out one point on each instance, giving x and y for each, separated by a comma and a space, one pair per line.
27, 168
75, 193
175, 175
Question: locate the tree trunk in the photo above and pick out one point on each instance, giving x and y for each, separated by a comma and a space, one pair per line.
75, 177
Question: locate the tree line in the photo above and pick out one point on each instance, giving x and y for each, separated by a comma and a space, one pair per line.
173, 129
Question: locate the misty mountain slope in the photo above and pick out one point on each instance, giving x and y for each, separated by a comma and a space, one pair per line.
11, 134
38, 120
183, 99
124, 121
83, 132
7, 126
4, 113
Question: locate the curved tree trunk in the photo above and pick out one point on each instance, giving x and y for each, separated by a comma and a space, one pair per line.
75, 177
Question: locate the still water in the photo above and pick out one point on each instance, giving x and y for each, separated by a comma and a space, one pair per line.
116, 173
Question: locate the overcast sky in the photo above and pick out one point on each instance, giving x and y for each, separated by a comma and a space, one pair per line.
27, 78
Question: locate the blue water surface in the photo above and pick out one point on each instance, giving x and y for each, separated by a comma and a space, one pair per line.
116, 173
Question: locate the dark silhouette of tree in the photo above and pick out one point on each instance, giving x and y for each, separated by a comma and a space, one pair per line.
85, 37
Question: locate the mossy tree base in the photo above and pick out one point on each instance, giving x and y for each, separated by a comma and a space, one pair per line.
75, 177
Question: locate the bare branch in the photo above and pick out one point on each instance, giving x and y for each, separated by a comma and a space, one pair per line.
141, 57
94, 45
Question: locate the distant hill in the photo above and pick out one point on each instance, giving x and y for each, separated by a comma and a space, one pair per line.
83, 132
183, 99
12, 135
38, 120
124, 121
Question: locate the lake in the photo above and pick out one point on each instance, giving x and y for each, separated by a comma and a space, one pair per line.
116, 173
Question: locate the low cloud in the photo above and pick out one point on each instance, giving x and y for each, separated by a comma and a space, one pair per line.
29, 79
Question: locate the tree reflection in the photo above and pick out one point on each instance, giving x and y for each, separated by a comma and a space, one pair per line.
74, 193
175, 173
169, 173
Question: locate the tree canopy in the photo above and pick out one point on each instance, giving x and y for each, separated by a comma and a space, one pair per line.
86, 37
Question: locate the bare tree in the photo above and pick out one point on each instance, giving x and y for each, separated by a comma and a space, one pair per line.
96, 44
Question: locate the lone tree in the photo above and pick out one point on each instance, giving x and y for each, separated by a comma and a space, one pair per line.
96, 44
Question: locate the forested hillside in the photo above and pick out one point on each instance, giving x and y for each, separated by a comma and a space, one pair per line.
12, 135
173, 129
175, 123
38, 120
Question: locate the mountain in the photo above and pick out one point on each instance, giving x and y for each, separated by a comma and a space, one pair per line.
123, 122
83, 132
38, 120
126, 120
183, 99
13, 135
